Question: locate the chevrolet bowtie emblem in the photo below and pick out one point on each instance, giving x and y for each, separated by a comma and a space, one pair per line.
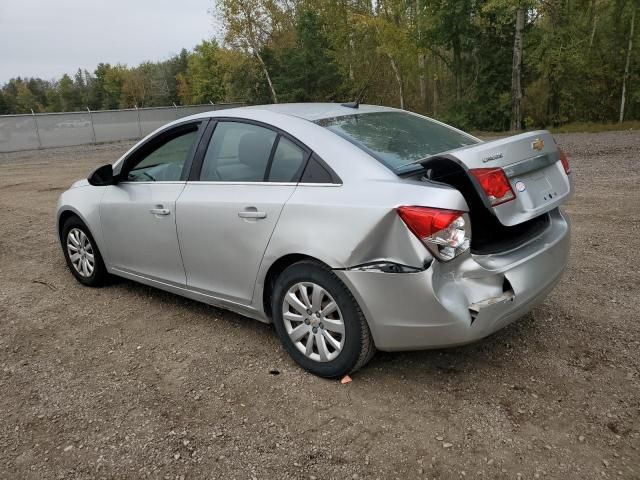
537, 144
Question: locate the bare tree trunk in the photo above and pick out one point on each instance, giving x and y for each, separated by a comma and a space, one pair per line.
423, 79
593, 22
457, 67
351, 50
396, 71
626, 67
435, 95
516, 73
593, 32
266, 74
421, 56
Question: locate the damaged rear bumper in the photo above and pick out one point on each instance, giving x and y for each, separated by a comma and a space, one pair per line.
464, 300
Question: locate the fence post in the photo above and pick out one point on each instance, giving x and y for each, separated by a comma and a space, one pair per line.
93, 129
35, 121
139, 124
176, 109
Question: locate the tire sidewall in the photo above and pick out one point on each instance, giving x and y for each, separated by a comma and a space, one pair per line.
99, 272
311, 272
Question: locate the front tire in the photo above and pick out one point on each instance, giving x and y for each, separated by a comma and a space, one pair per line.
319, 322
82, 254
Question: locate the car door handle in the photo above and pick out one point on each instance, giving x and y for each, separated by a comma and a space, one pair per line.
159, 211
252, 213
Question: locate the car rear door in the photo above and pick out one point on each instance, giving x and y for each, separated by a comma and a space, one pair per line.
138, 213
231, 204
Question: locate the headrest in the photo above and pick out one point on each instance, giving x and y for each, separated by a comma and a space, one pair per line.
254, 149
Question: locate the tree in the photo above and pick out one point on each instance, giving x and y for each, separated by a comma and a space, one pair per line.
516, 71
306, 71
250, 24
136, 88
203, 80
628, 60
25, 100
112, 82
70, 97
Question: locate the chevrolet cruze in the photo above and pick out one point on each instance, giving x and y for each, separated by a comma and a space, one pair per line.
350, 227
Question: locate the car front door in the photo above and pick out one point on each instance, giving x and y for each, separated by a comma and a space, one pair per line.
231, 204
138, 213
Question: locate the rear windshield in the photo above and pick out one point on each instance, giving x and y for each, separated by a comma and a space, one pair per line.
397, 139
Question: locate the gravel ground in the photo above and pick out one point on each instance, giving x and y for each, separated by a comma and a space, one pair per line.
130, 382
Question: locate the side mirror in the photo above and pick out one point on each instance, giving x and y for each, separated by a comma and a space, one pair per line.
102, 176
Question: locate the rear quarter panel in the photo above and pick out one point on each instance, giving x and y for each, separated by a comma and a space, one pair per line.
355, 223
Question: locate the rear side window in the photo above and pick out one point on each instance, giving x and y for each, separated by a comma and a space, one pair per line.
287, 162
238, 152
396, 138
316, 172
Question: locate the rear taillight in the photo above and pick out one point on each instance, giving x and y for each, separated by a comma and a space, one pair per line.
446, 233
495, 184
565, 161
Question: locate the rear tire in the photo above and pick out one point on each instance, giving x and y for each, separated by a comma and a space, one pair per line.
82, 254
319, 322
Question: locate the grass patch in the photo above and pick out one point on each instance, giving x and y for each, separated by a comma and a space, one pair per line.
579, 127
590, 127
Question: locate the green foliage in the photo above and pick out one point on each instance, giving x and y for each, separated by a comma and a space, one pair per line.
203, 80
451, 59
306, 71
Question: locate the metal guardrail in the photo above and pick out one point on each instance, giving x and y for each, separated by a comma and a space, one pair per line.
45, 130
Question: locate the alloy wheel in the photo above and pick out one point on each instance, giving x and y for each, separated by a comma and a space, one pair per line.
80, 252
313, 321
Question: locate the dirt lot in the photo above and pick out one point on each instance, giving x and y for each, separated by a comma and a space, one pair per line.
130, 382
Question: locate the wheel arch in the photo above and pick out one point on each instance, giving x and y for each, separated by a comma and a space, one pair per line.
63, 217
66, 213
274, 271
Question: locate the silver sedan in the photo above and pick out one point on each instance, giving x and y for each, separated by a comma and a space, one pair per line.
350, 227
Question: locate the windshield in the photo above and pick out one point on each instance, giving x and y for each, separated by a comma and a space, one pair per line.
397, 139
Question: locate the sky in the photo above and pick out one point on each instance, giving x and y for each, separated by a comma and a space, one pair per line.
47, 38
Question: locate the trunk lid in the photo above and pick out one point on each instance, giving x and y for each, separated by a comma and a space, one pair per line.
531, 162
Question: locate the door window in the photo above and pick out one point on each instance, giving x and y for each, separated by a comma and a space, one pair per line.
238, 152
287, 162
164, 161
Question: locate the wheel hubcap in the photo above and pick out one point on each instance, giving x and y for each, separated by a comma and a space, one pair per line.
80, 252
313, 321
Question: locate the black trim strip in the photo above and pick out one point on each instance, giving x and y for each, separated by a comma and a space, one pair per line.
531, 164
196, 167
193, 152
267, 170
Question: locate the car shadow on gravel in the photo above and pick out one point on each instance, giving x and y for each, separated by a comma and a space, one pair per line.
493, 351
195, 310
496, 350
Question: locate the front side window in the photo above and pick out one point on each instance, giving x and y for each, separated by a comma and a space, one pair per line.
238, 152
165, 161
396, 138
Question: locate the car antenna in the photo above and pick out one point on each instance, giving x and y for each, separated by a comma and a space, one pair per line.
356, 104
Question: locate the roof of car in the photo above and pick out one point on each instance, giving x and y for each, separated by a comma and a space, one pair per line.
315, 111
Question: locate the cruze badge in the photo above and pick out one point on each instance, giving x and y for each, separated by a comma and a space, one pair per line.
537, 144
495, 156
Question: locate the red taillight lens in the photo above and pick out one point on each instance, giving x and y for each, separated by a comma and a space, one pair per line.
565, 161
444, 232
495, 184
424, 222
